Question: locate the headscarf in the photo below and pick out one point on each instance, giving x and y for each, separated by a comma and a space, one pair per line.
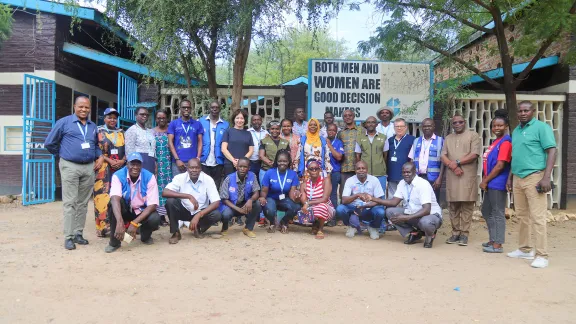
313, 139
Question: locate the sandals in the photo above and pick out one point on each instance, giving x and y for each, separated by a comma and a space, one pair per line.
271, 229
284, 229
319, 235
102, 233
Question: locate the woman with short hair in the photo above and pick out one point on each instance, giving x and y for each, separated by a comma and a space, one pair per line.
315, 198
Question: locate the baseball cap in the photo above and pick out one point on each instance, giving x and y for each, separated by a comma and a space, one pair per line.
385, 108
109, 111
134, 156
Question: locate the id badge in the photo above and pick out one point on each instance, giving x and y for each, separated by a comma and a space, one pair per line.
282, 197
114, 151
186, 145
85, 146
393, 159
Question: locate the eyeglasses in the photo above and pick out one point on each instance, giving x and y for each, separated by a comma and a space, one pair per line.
185, 108
274, 123
313, 169
400, 126
458, 122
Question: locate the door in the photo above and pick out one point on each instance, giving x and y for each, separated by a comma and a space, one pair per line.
39, 116
127, 99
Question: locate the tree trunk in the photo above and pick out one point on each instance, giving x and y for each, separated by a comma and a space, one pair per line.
511, 106
241, 56
211, 78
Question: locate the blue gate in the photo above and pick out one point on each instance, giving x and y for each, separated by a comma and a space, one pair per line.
127, 98
38, 165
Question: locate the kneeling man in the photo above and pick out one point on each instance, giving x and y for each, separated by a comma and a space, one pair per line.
420, 214
133, 202
239, 193
192, 197
356, 205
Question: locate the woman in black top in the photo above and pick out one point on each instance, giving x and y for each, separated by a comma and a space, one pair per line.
237, 142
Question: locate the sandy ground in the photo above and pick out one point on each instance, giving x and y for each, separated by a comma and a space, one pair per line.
275, 278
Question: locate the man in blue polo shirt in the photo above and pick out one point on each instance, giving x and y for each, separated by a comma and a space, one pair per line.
184, 138
74, 143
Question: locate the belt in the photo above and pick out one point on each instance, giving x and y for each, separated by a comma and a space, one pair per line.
79, 162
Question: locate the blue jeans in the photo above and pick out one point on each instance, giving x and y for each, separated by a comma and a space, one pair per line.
261, 175
228, 213
287, 205
335, 179
374, 215
255, 168
383, 180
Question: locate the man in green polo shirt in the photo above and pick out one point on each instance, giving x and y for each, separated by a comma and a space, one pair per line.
533, 157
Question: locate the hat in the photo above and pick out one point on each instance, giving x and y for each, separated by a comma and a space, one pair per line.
134, 156
109, 111
385, 108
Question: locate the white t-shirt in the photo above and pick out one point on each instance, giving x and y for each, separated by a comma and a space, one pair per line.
371, 186
211, 159
257, 138
388, 131
204, 190
416, 194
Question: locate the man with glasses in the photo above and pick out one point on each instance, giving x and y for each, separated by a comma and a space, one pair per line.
372, 148
212, 158
258, 134
460, 155
425, 153
400, 145
184, 138
348, 136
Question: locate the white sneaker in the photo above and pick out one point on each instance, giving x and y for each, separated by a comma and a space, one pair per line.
539, 262
373, 233
350, 232
521, 255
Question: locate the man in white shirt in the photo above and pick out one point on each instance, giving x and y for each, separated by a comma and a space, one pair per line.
355, 205
420, 214
192, 197
386, 126
258, 133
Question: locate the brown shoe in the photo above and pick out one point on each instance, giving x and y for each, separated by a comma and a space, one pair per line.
175, 238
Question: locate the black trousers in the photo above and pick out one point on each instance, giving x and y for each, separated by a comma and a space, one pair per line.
436, 191
255, 168
176, 212
215, 172
228, 213
149, 225
228, 168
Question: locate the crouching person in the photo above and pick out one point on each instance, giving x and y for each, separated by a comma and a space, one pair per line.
239, 193
133, 202
420, 214
192, 197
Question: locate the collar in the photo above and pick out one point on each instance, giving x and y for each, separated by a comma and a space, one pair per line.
362, 183
251, 129
433, 137
130, 179
76, 119
302, 124
238, 178
532, 121
208, 118
200, 177
350, 128
391, 123
376, 134
183, 121
401, 137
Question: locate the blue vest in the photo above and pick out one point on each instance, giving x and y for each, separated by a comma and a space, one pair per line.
434, 152
302, 164
145, 177
498, 183
233, 189
221, 127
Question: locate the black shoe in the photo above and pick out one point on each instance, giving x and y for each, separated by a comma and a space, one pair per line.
428, 241
69, 244
109, 248
78, 239
453, 239
239, 221
463, 240
331, 223
390, 228
149, 241
413, 238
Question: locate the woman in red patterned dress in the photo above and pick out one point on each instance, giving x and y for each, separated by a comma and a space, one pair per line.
315, 197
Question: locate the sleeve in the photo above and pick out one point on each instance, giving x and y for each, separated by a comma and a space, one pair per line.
152, 192
130, 145
347, 191
476, 146
400, 190
340, 146
425, 194
225, 137
262, 147
411, 153
171, 128
266, 179
115, 187
255, 185
174, 185
52, 142
327, 164
212, 191
152, 141
547, 139
357, 149
200, 128
97, 144
295, 181
378, 190
444, 147
224, 194
505, 153
386, 146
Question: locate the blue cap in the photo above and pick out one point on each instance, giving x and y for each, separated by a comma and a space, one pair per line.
134, 156
109, 111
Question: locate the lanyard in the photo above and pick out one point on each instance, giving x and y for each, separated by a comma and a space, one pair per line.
311, 189
408, 193
115, 140
83, 132
136, 189
280, 182
186, 130
259, 138
196, 186
424, 148
397, 143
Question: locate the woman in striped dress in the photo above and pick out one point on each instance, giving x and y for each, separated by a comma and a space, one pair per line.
315, 197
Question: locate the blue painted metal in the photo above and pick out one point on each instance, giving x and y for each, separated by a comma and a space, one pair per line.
39, 116
124, 64
127, 99
298, 80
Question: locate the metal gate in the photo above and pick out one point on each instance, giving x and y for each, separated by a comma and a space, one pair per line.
127, 99
38, 165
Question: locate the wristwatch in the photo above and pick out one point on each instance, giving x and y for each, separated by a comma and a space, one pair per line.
458, 163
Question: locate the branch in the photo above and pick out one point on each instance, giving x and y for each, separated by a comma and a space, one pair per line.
541, 51
482, 4
457, 59
449, 13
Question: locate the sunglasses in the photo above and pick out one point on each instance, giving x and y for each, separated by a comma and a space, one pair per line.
458, 122
313, 169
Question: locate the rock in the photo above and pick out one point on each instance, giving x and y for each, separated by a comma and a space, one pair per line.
571, 216
477, 216
5, 199
509, 212
550, 217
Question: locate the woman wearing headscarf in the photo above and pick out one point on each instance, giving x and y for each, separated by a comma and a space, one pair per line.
293, 142
315, 198
313, 147
111, 143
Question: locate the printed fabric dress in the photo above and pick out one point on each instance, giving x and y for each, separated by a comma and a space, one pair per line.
315, 190
314, 153
111, 142
164, 175
294, 145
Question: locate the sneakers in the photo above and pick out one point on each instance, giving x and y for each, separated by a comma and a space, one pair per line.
248, 233
521, 255
487, 244
350, 232
463, 240
373, 233
453, 239
539, 262
110, 248
492, 249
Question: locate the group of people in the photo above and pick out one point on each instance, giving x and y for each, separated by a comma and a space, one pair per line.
375, 178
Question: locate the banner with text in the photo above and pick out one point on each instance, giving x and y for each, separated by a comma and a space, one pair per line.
366, 86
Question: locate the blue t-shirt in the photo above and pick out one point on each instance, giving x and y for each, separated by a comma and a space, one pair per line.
401, 152
185, 138
339, 147
270, 180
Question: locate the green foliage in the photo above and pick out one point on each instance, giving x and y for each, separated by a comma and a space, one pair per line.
5, 22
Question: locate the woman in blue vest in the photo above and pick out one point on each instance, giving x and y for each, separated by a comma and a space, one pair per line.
279, 192
496, 166
313, 148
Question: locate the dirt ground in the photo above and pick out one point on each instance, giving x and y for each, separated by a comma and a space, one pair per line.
275, 278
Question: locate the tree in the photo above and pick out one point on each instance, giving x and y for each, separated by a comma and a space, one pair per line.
443, 25
5, 22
